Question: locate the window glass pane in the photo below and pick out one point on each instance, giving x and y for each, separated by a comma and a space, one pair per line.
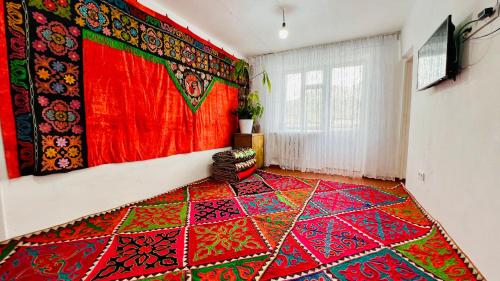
292, 101
313, 106
314, 77
345, 97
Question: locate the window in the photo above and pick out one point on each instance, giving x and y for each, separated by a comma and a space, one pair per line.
345, 97
293, 101
306, 93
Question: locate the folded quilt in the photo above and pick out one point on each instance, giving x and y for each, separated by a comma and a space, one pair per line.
235, 167
232, 177
234, 155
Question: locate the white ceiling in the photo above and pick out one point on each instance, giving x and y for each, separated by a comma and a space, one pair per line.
251, 26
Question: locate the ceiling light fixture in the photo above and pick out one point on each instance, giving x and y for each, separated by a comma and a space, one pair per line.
283, 31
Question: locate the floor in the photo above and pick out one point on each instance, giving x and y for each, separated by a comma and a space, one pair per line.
275, 225
362, 181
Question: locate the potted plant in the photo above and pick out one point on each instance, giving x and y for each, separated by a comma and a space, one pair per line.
251, 109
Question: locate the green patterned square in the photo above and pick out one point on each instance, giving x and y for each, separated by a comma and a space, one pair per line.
155, 217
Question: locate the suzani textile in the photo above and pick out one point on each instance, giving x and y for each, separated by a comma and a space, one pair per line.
268, 227
105, 81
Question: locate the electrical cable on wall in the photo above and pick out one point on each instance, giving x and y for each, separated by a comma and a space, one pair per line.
486, 35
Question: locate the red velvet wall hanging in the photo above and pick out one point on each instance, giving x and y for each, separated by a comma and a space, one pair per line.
107, 81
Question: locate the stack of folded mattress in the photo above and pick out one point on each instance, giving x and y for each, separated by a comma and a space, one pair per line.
234, 165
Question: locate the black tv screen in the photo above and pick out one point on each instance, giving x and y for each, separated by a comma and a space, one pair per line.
437, 57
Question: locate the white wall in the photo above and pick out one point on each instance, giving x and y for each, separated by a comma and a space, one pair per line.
29, 204
455, 137
160, 7
32, 203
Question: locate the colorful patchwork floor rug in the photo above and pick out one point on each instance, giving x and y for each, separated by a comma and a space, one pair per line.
268, 227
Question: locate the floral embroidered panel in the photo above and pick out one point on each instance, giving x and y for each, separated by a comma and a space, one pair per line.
106, 81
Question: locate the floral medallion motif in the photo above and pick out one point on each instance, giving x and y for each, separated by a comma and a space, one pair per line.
172, 47
60, 116
56, 77
188, 55
57, 38
61, 153
124, 27
58, 7
93, 16
151, 40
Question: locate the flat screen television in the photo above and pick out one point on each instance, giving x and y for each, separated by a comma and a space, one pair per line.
437, 60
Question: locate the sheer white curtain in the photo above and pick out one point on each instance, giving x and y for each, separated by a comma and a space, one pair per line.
335, 108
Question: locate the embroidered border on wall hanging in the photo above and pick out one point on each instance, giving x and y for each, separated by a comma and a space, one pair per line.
44, 121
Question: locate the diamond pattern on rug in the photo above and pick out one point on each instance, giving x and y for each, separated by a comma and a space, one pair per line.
291, 259
246, 237
383, 227
251, 187
383, 265
436, 255
311, 182
155, 217
265, 203
330, 239
337, 202
298, 196
253, 177
408, 211
373, 196
274, 226
287, 183
214, 211
245, 269
89, 227
312, 211
68, 260
139, 254
269, 176
209, 243
210, 190
177, 195
325, 186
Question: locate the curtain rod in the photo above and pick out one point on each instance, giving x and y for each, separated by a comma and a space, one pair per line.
397, 33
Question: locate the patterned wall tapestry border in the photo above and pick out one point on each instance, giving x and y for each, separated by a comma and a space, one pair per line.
193, 84
44, 41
